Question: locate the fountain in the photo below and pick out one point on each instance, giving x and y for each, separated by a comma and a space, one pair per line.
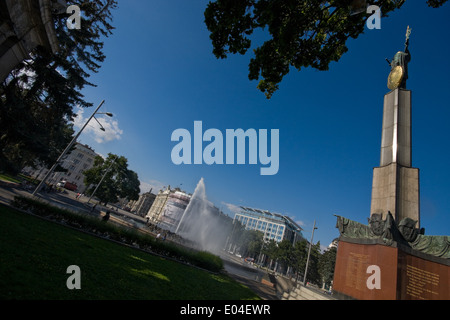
203, 223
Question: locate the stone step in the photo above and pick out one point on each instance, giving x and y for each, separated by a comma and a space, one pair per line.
303, 293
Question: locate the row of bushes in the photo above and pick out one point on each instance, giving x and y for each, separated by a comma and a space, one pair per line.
120, 234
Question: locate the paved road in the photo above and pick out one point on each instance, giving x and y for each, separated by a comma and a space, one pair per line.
65, 200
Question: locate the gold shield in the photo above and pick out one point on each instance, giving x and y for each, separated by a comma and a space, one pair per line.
395, 78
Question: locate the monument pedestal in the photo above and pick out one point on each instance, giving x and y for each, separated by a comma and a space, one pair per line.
370, 270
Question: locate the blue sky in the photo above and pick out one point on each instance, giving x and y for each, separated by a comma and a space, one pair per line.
160, 75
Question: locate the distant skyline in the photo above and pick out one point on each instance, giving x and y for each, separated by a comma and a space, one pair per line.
160, 75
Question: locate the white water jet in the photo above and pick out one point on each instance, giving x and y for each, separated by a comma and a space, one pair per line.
203, 223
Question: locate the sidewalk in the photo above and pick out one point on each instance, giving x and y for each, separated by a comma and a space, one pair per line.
264, 291
8, 190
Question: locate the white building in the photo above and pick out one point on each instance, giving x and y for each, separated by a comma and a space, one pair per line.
333, 244
168, 208
143, 204
274, 226
81, 158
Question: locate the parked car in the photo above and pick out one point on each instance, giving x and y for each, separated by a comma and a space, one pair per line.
67, 185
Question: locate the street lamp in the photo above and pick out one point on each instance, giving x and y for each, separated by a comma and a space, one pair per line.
69, 146
109, 114
309, 252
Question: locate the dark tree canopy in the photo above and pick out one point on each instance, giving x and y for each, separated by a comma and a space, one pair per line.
113, 178
326, 265
303, 33
38, 97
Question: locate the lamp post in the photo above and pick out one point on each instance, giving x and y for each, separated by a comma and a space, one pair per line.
309, 252
69, 146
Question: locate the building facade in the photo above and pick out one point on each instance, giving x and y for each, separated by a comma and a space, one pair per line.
143, 204
81, 158
274, 226
168, 208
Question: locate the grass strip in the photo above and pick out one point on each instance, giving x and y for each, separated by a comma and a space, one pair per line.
122, 234
35, 255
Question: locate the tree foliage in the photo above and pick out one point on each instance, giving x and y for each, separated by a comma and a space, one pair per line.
250, 242
38, 97
288, 256
302, 33
113, 178
300, 253
313, 265
284, 255
326, 264
270, 249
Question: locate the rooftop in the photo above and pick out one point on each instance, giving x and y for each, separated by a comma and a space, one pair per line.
272, 215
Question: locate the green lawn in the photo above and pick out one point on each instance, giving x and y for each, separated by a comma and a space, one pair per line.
35, 254
9, 178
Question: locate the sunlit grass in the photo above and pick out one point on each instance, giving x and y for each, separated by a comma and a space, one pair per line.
35, 254
121, 234
148, 272
9, 178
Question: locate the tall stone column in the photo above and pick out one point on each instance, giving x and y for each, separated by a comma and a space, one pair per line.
395, 186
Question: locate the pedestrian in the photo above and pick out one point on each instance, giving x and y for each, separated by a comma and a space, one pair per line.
106, 216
